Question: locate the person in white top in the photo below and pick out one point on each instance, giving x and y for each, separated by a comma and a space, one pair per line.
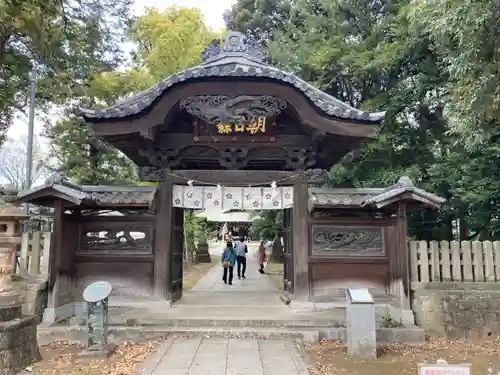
241, 257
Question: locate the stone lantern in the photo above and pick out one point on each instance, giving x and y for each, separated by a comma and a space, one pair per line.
18, 341
11, 218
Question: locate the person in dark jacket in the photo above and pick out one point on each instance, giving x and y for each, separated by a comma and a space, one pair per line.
228, 260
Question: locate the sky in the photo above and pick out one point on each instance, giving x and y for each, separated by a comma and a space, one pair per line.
211, 9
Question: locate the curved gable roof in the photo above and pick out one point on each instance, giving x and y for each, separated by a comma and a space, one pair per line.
238, 57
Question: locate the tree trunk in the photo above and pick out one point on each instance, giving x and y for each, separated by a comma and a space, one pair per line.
277, 255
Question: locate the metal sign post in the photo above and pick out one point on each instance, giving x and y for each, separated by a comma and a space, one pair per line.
96, 295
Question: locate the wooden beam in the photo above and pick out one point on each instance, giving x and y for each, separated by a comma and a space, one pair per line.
163, 240
233, 177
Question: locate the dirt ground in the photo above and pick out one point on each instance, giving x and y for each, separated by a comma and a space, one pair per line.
193, 274
330, 358
62, 359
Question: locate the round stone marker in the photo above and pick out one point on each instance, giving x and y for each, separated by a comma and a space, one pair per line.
97, 291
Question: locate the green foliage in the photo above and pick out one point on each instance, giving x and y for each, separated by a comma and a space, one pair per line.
268, 225
465, 34
258, 19
433, 71
167, 42
148, 183
195, 229
66, 41
86, 159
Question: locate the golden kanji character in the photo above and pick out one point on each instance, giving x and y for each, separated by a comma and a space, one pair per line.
239, 128
258, 126
224, 128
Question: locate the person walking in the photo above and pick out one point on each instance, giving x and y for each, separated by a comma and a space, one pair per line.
228, 260
262, 256
241, 257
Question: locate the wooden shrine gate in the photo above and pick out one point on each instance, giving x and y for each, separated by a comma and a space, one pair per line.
233, 120
267, 195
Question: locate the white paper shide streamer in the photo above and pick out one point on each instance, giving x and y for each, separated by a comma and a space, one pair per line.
232, 198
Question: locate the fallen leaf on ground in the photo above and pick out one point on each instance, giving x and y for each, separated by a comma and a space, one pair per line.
330, 357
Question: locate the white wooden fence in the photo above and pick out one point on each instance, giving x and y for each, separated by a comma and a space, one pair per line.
455, 261
34, 255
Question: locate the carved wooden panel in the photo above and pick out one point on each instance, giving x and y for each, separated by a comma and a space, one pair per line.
241, 110
116, 238
347, 241
118, 211
346, 212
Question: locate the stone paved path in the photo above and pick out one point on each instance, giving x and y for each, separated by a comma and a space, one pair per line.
254, 282
255, 296
225, 356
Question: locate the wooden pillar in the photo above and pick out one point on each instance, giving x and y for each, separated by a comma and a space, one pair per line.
55, 256
163, 240
301, 287
398, 261
60, 299
404, 256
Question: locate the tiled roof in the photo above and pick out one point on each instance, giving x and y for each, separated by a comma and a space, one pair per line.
341, 197
97, 195
372, 197
238, 57
121, 194
12, 211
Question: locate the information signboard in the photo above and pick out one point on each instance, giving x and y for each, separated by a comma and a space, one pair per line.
443, 369
360, 295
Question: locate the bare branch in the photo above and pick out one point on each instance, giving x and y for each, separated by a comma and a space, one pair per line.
13, 162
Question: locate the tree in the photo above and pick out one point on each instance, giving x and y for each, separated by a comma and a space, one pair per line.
465, 35
86, 159
165, 42
65, 41
13, 162
258, 19
195, 229
268, 226
370, 55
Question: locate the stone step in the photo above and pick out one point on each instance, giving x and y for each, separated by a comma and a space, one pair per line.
224, 323
120, 334
227, 323
226, 317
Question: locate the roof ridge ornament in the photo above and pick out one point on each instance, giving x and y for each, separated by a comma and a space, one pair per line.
234, 44
405, 182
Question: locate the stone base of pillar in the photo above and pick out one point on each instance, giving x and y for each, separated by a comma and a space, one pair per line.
299, 306
277, 255
202, 255
407, 317
18, 335
202, 258
53, 315
404, 316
